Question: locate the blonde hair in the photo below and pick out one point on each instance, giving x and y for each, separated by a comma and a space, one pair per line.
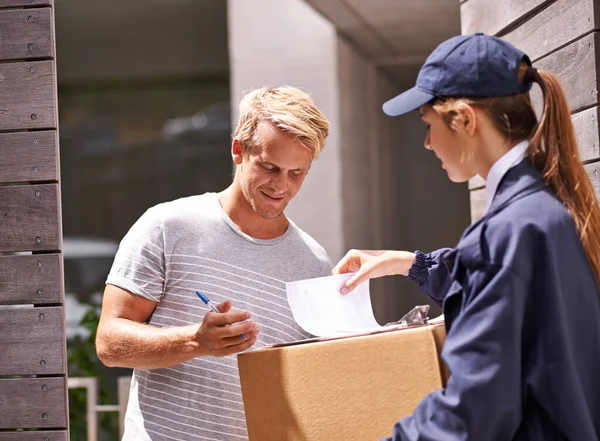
552, 148
289, 109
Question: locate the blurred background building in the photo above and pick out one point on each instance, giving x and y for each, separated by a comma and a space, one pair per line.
148, 93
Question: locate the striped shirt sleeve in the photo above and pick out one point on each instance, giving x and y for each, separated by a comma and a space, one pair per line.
139, 265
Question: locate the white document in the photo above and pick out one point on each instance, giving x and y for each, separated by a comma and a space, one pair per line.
320, 309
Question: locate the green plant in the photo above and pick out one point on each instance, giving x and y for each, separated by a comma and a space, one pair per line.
83, 362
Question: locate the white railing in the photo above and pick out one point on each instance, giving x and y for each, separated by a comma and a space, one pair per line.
90, 384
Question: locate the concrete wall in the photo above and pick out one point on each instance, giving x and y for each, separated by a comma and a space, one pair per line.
272, 43
375, 186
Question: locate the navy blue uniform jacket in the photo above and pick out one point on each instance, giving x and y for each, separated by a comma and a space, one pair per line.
522, 312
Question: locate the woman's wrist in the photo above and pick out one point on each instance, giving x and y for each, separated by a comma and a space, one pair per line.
402, 262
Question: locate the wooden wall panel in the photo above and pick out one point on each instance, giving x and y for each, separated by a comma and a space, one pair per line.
30, 218
562, 22
24, 3
28, 95
26, 33
29, 156
491, 17
588, 133
31, 341
33, 402
593, 170
575, 67
587, 130
38, 435
35, 279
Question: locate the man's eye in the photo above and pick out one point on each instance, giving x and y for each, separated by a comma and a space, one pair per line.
269, 169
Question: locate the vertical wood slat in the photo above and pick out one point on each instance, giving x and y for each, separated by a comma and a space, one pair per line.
31, 341
33, 403
28, 156
30, 218
35, 279
26, 33
28, 95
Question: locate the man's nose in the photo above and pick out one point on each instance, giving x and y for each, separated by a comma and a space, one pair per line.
280, 182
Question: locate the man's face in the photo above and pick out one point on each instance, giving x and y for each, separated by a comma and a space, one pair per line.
272, 172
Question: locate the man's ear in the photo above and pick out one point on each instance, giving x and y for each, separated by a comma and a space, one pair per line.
236, 152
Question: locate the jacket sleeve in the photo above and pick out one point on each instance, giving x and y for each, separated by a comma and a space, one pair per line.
431, 274
482, 400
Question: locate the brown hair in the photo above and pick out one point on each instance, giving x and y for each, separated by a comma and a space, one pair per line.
552, 148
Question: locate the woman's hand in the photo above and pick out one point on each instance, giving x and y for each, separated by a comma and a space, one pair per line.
372, 264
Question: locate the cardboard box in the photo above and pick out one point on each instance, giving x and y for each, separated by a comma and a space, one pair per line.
352, 388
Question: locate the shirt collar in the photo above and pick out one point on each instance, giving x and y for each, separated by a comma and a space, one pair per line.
511, 158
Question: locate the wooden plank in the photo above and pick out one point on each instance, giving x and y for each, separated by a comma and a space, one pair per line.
35, 279
30, 218
26, 33
37, 435
29, 156
575, 67
477, 204
587, 130
588, 133
557, 25
593, 170
28, 95
31, 341
491, 16
24, 3
33, 403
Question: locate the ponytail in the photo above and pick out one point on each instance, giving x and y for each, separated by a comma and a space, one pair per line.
553, 150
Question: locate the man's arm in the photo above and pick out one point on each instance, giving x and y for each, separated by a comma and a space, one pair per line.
125, 340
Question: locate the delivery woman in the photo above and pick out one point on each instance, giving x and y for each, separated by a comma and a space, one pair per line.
520, 292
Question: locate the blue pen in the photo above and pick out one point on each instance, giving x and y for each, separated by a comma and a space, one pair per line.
212, 307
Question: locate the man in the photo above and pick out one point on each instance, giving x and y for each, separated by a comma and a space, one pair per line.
236, 245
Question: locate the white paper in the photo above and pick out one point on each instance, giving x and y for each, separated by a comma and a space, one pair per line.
320, 309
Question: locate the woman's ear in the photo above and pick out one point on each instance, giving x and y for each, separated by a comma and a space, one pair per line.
467, 118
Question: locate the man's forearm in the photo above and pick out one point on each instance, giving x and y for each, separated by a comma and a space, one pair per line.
125, 343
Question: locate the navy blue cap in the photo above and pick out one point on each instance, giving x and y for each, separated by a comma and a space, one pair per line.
465, 66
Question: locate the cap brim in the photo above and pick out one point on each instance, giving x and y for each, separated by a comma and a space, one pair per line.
406, 102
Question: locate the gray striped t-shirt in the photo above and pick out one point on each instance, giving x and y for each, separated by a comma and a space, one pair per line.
191, 244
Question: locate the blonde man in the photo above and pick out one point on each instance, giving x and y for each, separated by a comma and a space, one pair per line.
236, 247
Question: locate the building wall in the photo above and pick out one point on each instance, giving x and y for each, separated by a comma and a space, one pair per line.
272, 43
375, 186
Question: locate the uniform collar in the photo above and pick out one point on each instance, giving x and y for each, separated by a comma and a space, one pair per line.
510, 159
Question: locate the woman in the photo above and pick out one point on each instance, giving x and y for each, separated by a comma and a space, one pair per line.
520, 290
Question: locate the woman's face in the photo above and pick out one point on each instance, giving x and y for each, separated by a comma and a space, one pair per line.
447, 144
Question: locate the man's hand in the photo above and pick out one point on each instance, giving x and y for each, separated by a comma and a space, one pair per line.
219, 334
